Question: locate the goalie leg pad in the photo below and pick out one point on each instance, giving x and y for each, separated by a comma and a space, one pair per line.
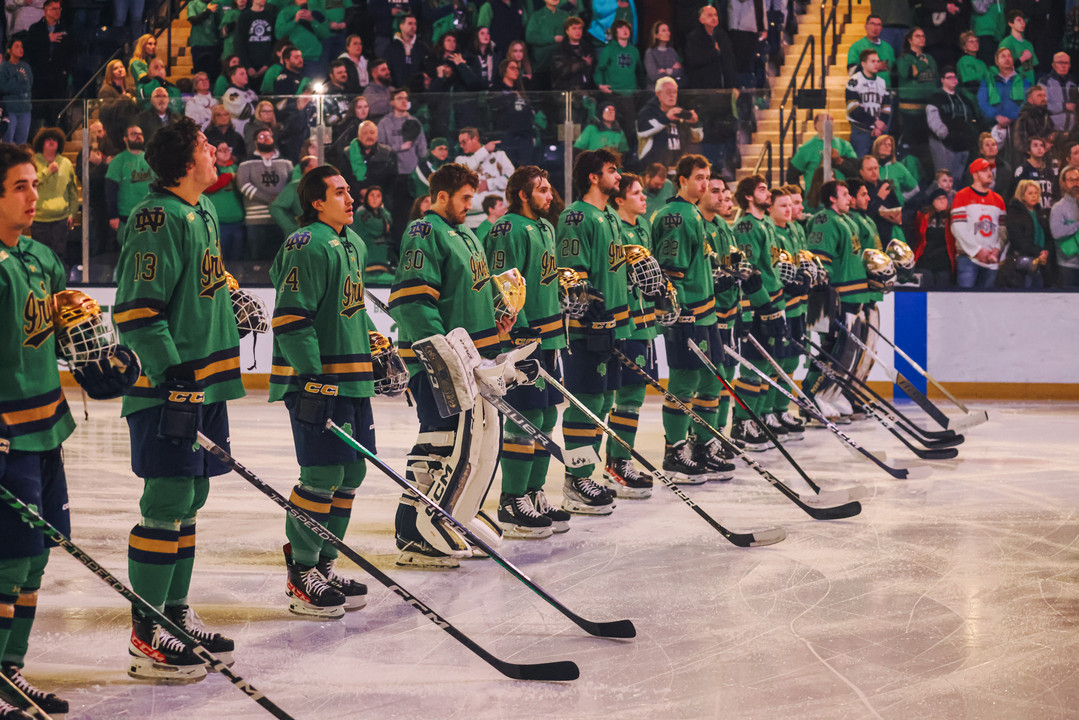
435, 469
450, 366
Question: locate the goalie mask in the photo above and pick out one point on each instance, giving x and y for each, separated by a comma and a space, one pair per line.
644, 271
878, 268
807, 263
667, 308
573, 293
901, 254
785, 268
509, 294
249, 309
390, 373
82, 335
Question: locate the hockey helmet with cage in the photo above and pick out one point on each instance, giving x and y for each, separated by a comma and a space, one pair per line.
573, 293
878, 268
82, 334
509, 294
667, 308
785, 267
249, 309
644, 270
390, 372
807, 262
900, 253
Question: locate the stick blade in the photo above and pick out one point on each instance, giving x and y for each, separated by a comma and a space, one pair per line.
828, 498
558, 671
613, 629
945, 443
758, 538
836, 512
971, 419
937, 453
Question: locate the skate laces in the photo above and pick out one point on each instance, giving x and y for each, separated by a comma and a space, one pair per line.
164, 640
6, 706
685, 454
524, 507
327, 571
17, 679
194, 626
588, 487
314, 582
539, 502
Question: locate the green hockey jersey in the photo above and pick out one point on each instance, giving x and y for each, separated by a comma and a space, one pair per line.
172, 302
792, 239
32, 405
678, 243
868, 237
839, 248
514, 241
590, 242
320, 321
719, 238
642, 313
756, 241
442, 282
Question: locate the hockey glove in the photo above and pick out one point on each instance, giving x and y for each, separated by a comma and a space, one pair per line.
526, 372
314, 404
800, 285
597, 308
523, 336
108, 378
661, 294
723, 280
797, 327
181, 414
770, 322
751, 283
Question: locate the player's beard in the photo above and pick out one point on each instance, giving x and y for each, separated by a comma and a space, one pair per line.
763, 208
537, 209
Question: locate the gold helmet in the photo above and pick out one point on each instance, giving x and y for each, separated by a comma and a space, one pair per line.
878, 268
644, 270
901, 254
390, 373
232, 282
82, 335
249, 309
667, 308
785, 267
573, 293
509, 293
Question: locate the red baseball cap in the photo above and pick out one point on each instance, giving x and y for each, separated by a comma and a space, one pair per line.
979, 165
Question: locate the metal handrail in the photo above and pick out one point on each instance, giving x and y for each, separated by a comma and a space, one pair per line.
766, 150
828, 50
790, 122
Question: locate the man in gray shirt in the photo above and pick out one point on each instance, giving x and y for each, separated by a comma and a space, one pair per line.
261, 180
404, 134
1064, 224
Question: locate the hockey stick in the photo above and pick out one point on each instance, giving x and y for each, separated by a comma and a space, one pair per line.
898, 473
614, 629
905, 385
550, 671
877, 414
817, 510
859, 387
768, 536
971, 417
32, 707
32, 518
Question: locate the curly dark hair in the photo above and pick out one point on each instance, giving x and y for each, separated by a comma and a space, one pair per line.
171, 151
47, 133
450, 178
591, 162
523, 180
12, 155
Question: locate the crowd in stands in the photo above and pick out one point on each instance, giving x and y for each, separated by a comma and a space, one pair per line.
394, 85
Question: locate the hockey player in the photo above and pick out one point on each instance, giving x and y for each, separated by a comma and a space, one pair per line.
678, 236
34, 421
589, 241
174, 309
763, 310
619, 474
322, 371
443, 282
524, 239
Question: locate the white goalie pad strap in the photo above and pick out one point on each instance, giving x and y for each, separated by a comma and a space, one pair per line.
486, 441
487, 529
438, 474
449, 365
500, 374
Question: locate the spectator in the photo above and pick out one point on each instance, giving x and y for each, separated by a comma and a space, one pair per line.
896, 18
665, 129
618, 68
869, 108
605, 13
952, 120
377, 92
221, 84
270, 76
355, 65
504, 21
227, 24
807, 158
265, 117
543, 33
225, 197
874, 25
420, 207
261, 180
358, 111
1037, 170
747, 28
366, 161
492, 165
156, 78
145, 51
493, 207
292, 80
129, 13
255, 39
917, 80
118, 107
603, 133
334, 45
438, 155
158, 115
16, 83
405, 56
199, 107
450, 74
988, 26
1061, 93
518, 53
373, 224
574, 60
708, 53
306, 29
113, 81
1025, 261
404, 134
661, 59
972, 71
483, 59
1021, 48
24, 13
942, 21
222, 130
128, 179
904, 184
95, 153
286, 208
51, 53
516, 117
658, 189
204, 41
335, 101
1034, 120
1000, 99
989, 150
976, 215
240, 101
1064, 226
934, 249
884, 207
57, 193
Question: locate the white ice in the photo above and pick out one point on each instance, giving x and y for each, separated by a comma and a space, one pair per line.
949, 597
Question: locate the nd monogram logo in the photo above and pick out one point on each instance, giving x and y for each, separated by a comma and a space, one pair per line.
151, 219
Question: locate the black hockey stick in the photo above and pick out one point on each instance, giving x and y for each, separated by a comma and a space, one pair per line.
816, 509
32, 518
860, 388
899, 379
614, 629
876, 414
811, 409
769, 536
32, 708
550, 671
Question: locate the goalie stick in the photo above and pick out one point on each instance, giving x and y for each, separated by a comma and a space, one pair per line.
768, 536
810, 408
827, 505
31, 517
549, 671
970, 418
877, 414
614, 629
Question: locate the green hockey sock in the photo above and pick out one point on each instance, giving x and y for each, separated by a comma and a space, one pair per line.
185, 563
541, 459
151, 558
25, 609
518, 454
341, 505
314, 495
683, 385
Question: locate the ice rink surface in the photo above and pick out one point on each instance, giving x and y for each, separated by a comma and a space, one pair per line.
954, 596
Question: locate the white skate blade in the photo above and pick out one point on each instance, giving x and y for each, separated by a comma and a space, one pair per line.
583, 509
355, 602
417, 561
792, 437
680, 479
307, 610
521, 532
971, 419
141, 667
